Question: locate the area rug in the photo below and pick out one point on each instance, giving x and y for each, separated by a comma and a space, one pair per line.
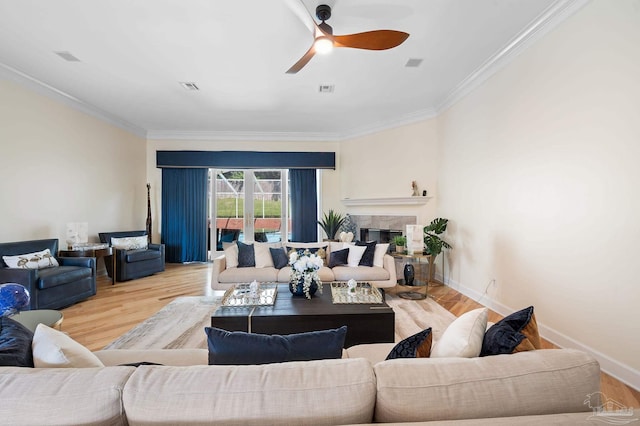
181, 323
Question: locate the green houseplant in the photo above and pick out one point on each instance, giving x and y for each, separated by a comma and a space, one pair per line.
434, 245
432, 242
399, 241
330, 223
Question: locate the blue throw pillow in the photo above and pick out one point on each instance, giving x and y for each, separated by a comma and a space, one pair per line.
246, 255
369, 252
416, 346
15, 344
240, 348
517, 332
279, 257
338, 257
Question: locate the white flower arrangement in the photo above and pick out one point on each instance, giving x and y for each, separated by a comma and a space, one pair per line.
305, 266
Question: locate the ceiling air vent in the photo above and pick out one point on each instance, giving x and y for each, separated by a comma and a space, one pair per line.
413, 63
67, 56
189, 85
326, 88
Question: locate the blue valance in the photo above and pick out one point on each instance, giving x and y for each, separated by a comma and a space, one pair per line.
246, 159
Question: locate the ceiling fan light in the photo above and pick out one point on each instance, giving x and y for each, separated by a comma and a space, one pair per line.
323, 45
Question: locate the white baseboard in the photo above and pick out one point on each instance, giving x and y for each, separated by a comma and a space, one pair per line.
615, 369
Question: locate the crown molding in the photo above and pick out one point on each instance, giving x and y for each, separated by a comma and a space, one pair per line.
550, 18
241, 136
71, 101
403, 120
291, 136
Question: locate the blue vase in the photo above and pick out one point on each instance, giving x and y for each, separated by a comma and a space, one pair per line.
409, 274
13, 299
297, 289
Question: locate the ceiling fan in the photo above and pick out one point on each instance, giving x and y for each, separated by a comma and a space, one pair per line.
324, 40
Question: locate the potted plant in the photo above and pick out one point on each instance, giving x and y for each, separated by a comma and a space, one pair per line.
399, 241
433, 243
330, 223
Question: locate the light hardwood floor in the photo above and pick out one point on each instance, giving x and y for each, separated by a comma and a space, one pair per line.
118, 308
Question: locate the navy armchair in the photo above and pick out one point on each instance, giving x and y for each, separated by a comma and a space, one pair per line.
55, 287
137, 263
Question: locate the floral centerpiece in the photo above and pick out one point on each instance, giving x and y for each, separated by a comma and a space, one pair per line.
304, 273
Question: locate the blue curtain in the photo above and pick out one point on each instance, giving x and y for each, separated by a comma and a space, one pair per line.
304, 205
184, 214
246, 159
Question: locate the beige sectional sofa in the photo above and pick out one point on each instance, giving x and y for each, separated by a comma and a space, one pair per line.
535, 387
224, 276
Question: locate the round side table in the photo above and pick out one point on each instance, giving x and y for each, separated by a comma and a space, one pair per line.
31, 319
422, 264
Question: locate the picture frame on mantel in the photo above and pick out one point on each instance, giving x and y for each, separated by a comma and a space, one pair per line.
415, 242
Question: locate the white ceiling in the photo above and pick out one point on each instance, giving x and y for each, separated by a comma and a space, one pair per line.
133, 54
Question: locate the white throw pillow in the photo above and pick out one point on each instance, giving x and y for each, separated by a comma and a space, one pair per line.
54, 349
263, 255
355, 254
463, 338
36, 260
378, 255
130, 243
231, 254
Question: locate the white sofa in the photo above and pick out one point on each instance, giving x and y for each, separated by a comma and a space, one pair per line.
535, 387
224, 277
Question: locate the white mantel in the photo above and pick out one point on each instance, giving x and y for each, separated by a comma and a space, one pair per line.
386, 201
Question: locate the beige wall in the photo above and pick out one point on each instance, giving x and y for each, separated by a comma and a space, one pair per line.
329, 178
538, 173
59, 165
384, 164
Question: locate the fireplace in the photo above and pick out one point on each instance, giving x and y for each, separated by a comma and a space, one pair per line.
380, 228
378, 235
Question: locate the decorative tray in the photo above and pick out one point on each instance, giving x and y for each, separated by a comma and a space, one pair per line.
241, 295
364, 293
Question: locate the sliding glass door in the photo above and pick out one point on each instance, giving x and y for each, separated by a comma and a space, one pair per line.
269, 205
248, 205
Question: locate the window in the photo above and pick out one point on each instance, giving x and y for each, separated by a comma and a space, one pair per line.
248, 203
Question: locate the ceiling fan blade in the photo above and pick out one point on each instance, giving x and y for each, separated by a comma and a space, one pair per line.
371, 40
302, 61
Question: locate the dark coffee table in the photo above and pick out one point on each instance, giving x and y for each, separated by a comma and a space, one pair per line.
366, 323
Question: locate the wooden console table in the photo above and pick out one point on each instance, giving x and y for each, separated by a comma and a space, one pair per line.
91, 252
